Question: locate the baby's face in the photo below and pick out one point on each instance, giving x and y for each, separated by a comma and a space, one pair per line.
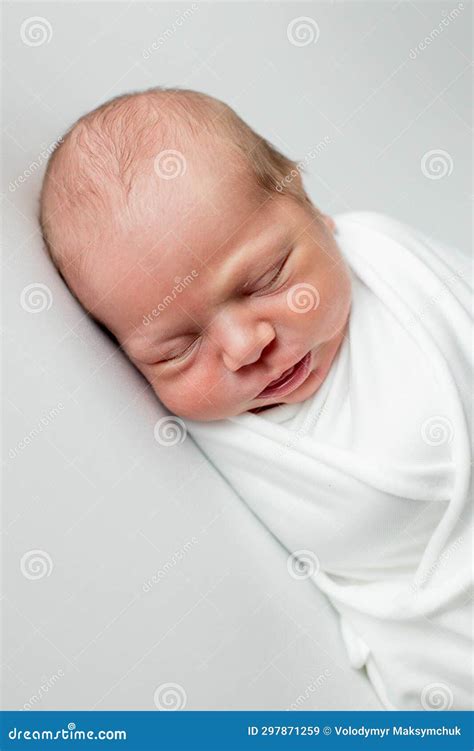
219, 297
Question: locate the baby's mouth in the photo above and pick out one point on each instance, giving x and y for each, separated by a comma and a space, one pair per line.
289, 380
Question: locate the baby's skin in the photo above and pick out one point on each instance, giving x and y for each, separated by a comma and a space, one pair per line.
219, 288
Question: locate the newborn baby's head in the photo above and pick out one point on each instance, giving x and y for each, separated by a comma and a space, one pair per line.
192, 240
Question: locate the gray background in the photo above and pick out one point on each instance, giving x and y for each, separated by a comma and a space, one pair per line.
85, 482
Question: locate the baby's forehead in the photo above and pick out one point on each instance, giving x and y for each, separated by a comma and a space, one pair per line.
202, 259
226, 218
172, 228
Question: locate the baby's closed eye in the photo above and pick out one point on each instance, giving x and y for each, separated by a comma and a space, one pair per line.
179, 352
271, 277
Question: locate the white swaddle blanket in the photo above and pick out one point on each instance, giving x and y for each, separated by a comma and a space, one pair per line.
368, 481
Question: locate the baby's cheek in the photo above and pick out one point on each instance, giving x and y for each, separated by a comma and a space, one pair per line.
335, 297
188, 396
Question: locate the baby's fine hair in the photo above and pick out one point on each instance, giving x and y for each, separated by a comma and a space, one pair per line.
96, 163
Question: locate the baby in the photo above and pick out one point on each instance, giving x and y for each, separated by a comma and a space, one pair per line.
329, 382
126, 217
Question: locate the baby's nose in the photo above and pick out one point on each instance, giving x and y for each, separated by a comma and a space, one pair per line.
240, 334
245, 347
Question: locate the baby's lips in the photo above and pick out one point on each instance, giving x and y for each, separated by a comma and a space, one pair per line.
295, 376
